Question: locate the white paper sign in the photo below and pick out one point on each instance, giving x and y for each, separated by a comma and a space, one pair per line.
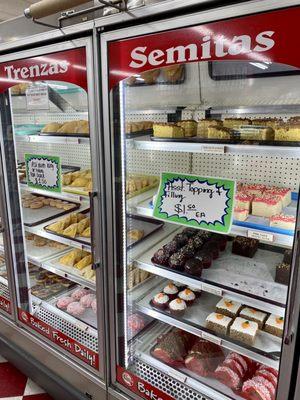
37, 98
266, 237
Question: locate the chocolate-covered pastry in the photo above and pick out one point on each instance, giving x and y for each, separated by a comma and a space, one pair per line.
181, 239
160, 257
189, 232
283, 273
171, 247
193, 266
177, 261
244, 246
221, 239
205, 235
213, 247
288, 255
197, 242
205, 257
188, 251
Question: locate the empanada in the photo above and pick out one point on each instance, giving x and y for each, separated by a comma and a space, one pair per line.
52, 127
57, 227
84, 262
67, 179
83, 127
82, 225
68, 127
71, 231
86, 233
80, 182
70, 258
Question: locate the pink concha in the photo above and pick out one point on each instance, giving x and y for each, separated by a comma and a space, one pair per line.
86, 301
270, 369
257, 388
75, 309
94, 305
267, 384
78, 293
240, 359
63, 303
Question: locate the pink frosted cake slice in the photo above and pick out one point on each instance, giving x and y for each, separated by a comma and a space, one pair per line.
284, 193
243, 201
266, 206
256, 190
240, 214
283, 221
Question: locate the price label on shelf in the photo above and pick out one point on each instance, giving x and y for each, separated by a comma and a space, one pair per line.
43, 172
213, 149
37, 98
213, 290
211, 338
264, 236
195, 201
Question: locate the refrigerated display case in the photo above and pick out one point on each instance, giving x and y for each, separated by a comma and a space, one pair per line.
201, 122
51, 163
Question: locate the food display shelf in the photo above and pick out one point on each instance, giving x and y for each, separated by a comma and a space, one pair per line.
52, 264
266, 348
52, 139
226, 277
266, 235
144, 143
36, 255
63, 195
206, 386
40, 231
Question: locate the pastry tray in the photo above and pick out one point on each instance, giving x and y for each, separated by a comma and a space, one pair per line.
253, 277
145, 189
79, 190
149, 226
79, 239
88, 317
265, 344
39, 253
133, 135
48, 297
81, 135
37, 216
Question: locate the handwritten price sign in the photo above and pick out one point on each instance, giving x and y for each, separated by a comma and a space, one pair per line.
199, 202
43, 172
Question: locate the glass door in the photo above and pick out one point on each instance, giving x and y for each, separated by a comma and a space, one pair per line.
205, 182
48, 133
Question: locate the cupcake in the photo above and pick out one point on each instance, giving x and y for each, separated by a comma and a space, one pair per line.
193, 266
188, 296
180, 286
160, 257
181, 239
160, 300
171, 247
205, 257
177, 307
171, 291
213, 247
177, 261
196, 290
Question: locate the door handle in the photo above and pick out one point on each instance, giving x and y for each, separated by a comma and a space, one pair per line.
92, 196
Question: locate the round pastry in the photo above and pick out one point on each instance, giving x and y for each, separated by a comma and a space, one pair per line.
56, 287
63, 302
171, 247
60, 205
46, 202
188, 296
160, 257
78, 293
177, 261
180, 286
36, 205
193, 266
26, 204
160, 300
48, 283
171, 290
86, 301
94, 305
212, 247
177, 307
181, 239
205, 257
197, 291
41, 277
67, 207
75, 309
29, 236
189, 232
65, 282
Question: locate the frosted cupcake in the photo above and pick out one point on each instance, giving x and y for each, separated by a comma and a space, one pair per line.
177, 307
197, 291
171, 290
160, 300
188, 296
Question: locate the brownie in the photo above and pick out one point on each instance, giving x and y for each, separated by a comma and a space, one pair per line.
287, 257
177, 261
205, 257
221, 239
181, 239
212, 247
197, 242
188, 251
244, 246
205, 235
189, 232
282, 273
193, 266
161, 257
171, 247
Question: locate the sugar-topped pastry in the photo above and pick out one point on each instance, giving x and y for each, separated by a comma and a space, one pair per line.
256, 189
254, 315
274, 325
283, 221
266, 206
218, 323
240, 214
244, 330
228, 307
284, 193
243, 201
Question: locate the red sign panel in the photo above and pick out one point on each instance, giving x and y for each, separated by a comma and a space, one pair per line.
140, 387
267, 37
5, 305
59, 338
68, 66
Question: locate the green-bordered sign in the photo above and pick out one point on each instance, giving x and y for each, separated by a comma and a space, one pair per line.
195, 201
43, 172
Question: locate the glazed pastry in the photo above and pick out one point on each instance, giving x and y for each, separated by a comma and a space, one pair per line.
84, 262
57, 227
71, 231
82, 225
87, 233
52, 127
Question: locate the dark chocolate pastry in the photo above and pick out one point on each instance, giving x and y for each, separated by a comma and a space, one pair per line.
221, 239
193, 266
177, 261
198, 242
205, 257
244, 246
213, 247
161, 257
171, 247
188, 250
190, 232
283, 273
205, 235
287, 258
181, 239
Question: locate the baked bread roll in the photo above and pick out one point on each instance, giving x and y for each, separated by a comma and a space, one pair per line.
15, 90
68, 127
83, 127
80, 182
52, 127
173, 73
150, 77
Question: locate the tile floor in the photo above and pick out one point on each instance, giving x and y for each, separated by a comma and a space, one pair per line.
16, 386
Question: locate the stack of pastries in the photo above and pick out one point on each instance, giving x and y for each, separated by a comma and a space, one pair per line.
70, 127
34, 202
74, 225
135, 183
80, 260
79, 179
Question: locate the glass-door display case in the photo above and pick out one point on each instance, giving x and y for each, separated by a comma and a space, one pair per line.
202, 125
48, 127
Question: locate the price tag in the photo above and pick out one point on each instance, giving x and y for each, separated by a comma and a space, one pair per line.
213, 290
196, 201
211, 338
266, 237
213, 149
43, 172
37, 98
